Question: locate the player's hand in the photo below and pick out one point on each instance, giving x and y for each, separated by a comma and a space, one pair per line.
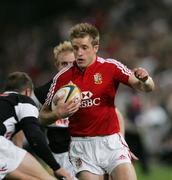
63, 109
133, 156
141, 74
62, 174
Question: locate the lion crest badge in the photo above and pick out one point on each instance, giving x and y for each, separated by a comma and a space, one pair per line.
97, 78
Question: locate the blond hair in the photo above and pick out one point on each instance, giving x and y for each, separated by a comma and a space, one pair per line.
62, 47
84, 29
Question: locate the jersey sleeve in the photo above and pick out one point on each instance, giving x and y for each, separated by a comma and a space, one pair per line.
56, 84
37, 140
52, 90
26, 108
121, 72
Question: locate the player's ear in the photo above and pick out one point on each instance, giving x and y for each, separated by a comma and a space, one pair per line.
96, 48
27, 92
56, 64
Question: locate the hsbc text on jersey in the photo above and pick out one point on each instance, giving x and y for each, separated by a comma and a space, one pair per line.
87, 101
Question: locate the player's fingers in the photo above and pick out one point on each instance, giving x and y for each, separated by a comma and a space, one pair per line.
141, 74
73, 102
73, 106
58, 99
133, 156
76, 99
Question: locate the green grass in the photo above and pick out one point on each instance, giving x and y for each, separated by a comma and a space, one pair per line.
157, 172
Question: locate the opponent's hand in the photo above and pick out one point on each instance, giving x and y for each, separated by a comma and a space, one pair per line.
62, 174
141, 74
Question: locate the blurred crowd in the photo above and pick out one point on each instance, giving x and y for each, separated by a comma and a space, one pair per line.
137, 33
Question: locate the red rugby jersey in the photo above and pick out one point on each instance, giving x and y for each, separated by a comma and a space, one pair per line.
99, 83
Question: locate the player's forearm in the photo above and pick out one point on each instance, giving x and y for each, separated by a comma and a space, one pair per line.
37, 141
145, 86
140, 84
121, 122
141, 80
122, 127
47, 117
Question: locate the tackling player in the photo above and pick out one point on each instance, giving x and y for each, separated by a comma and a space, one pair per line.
19, 112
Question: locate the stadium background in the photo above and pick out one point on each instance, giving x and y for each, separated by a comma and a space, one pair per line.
138, 33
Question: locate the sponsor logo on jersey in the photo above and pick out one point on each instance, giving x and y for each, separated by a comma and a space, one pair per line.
88, 101
97, 78
86, 95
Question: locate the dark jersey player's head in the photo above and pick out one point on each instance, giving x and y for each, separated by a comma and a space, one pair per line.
19, 82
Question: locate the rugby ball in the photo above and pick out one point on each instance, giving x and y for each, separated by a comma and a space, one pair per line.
69, 92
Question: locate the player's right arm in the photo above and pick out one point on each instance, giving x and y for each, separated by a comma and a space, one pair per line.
62, 110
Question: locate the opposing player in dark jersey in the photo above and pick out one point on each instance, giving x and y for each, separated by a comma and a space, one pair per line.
96, 145
19, 112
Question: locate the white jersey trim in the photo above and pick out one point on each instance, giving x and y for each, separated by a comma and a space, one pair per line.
52, 87
118, 64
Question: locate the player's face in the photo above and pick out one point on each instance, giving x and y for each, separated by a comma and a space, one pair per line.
84, 51
64, 59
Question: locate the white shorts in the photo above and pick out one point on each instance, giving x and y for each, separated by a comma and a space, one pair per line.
100, 154
63, 160
10, 156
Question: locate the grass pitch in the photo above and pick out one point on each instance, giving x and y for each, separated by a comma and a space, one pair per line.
157, 172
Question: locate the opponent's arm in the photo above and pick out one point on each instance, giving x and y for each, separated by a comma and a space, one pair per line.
141, 80
37, 140
18, 139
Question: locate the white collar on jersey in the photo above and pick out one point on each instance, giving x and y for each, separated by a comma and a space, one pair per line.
8, 92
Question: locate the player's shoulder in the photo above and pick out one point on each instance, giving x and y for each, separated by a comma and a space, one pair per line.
15, 98
64, 72
114, 65
108, 61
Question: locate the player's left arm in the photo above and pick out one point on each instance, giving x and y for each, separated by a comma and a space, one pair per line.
122, 130
141, 80
121, 121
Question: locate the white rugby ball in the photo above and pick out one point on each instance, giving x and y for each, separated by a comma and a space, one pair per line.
69, 91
